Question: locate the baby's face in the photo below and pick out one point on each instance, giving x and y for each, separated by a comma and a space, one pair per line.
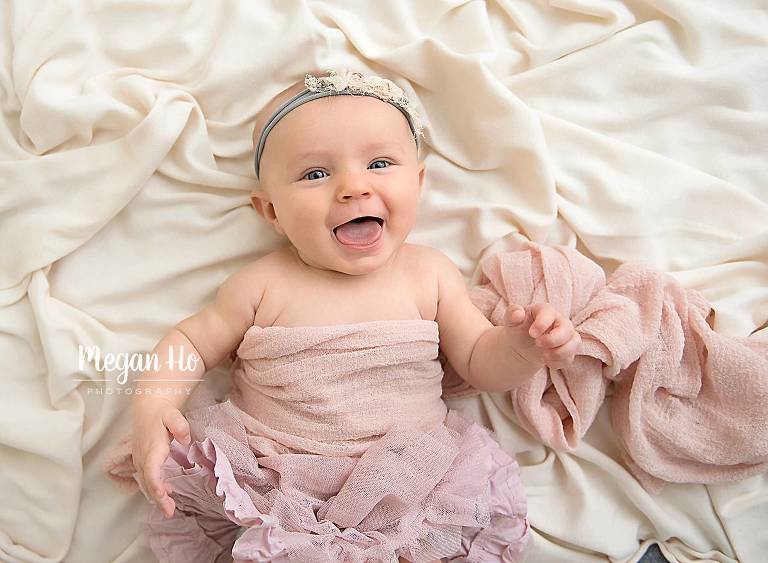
333, 160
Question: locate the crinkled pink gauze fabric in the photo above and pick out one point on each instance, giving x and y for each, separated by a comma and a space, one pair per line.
335, 446
688, 404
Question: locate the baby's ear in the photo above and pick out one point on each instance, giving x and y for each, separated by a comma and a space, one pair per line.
422, 172
265, 208
257, 202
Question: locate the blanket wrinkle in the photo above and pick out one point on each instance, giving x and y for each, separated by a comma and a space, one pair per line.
688, 405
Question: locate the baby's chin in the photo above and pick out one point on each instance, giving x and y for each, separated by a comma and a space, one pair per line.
359, 269
348, 265
359, 266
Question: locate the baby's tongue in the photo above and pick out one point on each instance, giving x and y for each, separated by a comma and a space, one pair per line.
358, 232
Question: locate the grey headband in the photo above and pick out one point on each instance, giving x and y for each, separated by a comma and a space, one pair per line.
344, 84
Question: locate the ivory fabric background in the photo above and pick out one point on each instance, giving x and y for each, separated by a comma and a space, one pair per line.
635, 130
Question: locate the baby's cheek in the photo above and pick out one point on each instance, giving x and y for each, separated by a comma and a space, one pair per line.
407, 212
305, 219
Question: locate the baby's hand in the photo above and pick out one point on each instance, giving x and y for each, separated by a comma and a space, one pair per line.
155, 421
542, 335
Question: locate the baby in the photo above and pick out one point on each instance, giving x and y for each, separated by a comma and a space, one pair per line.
334, 444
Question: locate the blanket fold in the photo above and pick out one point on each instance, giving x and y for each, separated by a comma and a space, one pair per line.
688, 404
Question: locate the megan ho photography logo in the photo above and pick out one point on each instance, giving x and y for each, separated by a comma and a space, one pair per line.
140, 364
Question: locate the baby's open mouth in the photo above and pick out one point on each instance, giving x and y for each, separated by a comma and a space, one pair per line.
361, 231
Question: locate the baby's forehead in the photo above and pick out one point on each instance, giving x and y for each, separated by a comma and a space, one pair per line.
350, 111
365, 123
272, 106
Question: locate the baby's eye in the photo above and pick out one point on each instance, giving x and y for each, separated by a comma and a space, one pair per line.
313, 175
383, 164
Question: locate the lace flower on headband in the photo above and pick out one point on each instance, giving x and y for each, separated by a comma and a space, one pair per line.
359, 83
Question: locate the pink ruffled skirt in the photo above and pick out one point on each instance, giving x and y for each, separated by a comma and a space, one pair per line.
450, 492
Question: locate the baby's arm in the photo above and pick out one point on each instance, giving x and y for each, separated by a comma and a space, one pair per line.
209, 336
498, 358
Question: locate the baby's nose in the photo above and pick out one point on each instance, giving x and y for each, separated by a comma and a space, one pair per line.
353, 190
354, 194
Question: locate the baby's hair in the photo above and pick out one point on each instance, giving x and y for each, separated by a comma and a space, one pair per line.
266, 112
262, 116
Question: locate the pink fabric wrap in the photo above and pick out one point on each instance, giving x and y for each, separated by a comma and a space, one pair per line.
397, 473
688, 404
315, 388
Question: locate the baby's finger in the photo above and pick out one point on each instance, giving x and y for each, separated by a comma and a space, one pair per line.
515, 316
167, 505
152, 471
178, 426
559, 335
543, 317
142, 481
563, 355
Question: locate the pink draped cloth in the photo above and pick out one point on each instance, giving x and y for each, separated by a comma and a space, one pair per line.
346, 453
687, 404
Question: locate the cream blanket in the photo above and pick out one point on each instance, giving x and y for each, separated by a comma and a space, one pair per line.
630, 129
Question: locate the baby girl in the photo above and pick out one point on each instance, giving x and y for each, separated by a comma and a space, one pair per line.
334, 443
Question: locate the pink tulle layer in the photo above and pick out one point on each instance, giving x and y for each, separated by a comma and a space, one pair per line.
448, 492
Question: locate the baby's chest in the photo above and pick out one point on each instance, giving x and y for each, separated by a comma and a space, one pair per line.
296, 304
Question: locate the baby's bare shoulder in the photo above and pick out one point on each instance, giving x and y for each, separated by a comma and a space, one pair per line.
423, 266
253, 278
426, 258
429, 263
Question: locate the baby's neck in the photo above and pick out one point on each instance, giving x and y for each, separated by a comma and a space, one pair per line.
343, 277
